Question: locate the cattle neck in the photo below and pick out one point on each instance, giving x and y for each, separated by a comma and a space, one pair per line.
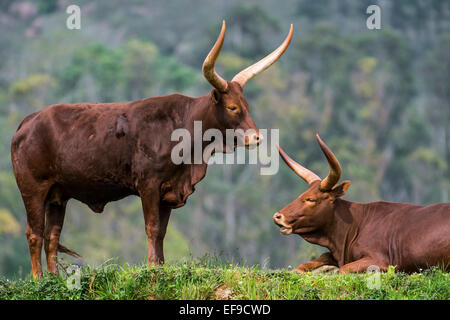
203, 110
342, 230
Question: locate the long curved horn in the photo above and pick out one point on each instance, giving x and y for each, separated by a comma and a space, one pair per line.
208, 65
301, 171
335, 168
249, 72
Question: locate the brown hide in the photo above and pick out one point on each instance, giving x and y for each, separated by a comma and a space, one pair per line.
108, 148
102, 152
97, 153
359, 235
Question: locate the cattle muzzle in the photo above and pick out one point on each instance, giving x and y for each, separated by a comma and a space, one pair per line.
253, 140
285, 229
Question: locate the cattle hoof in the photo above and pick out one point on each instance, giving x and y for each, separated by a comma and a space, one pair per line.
301, 271
326, 269
155, 263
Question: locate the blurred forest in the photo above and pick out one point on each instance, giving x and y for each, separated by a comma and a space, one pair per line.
379, 98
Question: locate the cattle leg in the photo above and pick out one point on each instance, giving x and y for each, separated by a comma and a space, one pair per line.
361, 265
164, 215
35, 207
150, 206
53, 225
324, 259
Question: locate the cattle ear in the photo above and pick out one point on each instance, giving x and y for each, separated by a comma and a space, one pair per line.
215, 96
341, 189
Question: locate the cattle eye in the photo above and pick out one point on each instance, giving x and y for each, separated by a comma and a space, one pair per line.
311, 200
232, 108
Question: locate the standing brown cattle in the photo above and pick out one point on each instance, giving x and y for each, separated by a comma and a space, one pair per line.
97, 153
360, 235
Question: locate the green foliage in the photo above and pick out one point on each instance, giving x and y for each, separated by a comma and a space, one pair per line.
8, 224
380, 100
255, 22
198, 280
47, 6
31, 90
138, 65
132, 72
99, 62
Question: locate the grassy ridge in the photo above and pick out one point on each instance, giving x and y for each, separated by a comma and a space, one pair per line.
206, 280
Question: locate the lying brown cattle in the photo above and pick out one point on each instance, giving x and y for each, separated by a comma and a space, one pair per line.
360, 235
97, 153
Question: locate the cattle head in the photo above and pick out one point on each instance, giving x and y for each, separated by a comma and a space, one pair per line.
314, 208
231, 109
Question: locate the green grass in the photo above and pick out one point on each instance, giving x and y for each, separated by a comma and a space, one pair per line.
210, 279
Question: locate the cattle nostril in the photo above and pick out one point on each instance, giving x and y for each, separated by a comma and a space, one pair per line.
277, 216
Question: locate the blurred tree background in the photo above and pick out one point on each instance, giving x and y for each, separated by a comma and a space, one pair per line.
379, 98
